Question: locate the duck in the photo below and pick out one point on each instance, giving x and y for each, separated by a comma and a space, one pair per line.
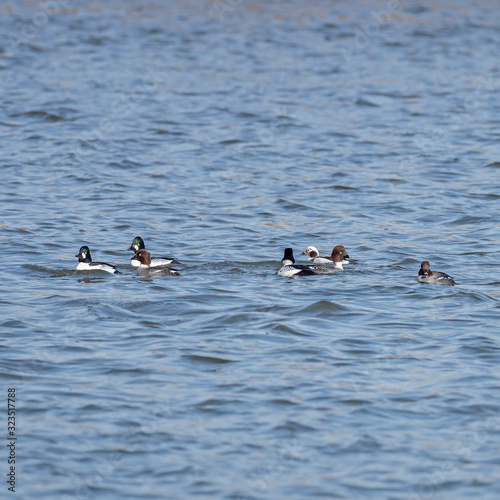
425, 275
138, 244
145, 268
85, 263
316, 258
290, 269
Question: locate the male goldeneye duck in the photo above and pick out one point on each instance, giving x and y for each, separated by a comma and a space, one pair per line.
138, 244
86, 263
289, 268
145, 268
315, 257
425, 275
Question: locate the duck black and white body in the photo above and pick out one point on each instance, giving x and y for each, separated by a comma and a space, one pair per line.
85, 263
316, 258
425, 275
290, 269
145, 268
138, 244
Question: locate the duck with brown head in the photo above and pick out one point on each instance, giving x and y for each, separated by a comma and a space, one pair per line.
425, 275
145, 268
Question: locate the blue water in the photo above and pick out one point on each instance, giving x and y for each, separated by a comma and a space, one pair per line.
222, 132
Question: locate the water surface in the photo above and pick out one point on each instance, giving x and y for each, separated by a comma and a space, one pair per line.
223, 132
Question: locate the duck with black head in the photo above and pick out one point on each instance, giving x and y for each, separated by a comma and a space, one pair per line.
138, 244
85, 263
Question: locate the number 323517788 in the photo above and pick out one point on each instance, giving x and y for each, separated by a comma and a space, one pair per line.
11, 411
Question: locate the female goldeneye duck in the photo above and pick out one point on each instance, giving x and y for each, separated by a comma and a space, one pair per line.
425, 275
315, 257
85, 263
145, 268
138, 244
338, 253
